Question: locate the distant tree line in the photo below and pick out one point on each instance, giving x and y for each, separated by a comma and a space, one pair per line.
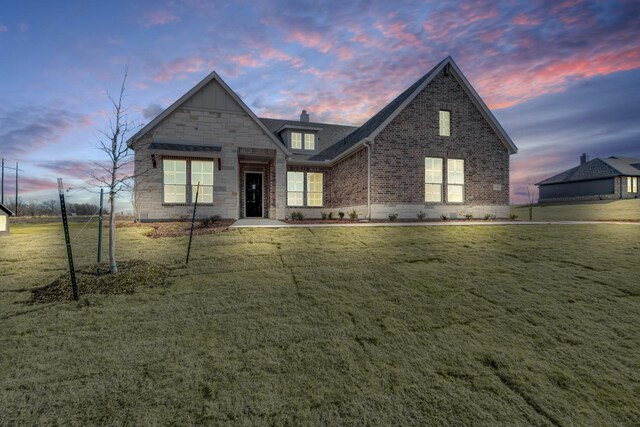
52, 208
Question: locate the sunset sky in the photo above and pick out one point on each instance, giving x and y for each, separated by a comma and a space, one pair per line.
562, 77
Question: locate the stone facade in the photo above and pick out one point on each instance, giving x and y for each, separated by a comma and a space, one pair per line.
399, 151
228, 130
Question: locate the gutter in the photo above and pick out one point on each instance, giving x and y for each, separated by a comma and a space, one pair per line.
367, 143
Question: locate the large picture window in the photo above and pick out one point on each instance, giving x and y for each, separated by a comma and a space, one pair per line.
455, 180
295, 188
175, 181
298, 193
432, 179
314, 189
202, 172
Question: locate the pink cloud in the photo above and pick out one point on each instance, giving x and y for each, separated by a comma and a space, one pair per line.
521, 82
177, 68
310, 39
159, 17
3, 28
526, 21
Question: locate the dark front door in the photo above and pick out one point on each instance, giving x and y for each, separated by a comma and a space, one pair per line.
253, 195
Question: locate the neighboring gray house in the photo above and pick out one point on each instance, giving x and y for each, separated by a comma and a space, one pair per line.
435, 148
614, 177
5, 213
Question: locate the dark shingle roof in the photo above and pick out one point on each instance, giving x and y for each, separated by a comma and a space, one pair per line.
596, 169
329, 135
5, 210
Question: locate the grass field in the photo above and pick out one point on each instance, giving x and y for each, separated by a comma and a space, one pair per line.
617, 210
504, 325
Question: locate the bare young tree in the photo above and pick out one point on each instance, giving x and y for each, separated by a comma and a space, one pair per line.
531, 198
115, 173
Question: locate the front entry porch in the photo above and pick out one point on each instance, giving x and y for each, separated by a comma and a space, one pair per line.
257, 182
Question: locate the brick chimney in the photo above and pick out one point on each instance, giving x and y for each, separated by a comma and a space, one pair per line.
584, 158
304, 116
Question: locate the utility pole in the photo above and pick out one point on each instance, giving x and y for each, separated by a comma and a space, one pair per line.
2, 183
17, 188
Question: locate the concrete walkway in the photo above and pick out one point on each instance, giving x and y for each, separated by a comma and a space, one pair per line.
272, 223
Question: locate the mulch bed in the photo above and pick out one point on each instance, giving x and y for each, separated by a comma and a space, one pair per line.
95, 279
179, 229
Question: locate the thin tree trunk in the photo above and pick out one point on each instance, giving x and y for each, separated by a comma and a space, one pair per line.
113, 268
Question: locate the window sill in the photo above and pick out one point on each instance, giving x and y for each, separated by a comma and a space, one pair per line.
187, 204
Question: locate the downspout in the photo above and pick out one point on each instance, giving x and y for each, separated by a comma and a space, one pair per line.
367, 143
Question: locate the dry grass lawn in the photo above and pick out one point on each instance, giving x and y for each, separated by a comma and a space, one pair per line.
616, 210
504, 325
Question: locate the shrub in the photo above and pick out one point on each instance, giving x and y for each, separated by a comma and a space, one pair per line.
468, 216
210, 220
323, 215
421, 215
341, 214
353, 214
443, 217
296, 215
330, 215
393, 217
487, 217
513, 216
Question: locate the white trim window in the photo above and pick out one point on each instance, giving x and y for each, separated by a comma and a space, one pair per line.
455, 180
296, 141
295, 188
309, 141
632, 184
445, 122
3, 223
202, 171
432, 179
175, 180
314, 189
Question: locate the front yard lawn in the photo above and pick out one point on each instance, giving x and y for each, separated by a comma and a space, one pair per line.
492, 325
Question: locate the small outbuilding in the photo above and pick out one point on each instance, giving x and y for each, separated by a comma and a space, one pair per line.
610, 178
5, 213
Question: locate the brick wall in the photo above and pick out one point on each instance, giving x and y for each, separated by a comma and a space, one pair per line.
399, 151
619, 192
349, 180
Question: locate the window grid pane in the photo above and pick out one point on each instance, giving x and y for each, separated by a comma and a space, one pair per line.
433, 192
314, 189
295, 188
296, 140
455, 193
433, 179
309, 141
175, 181
202, 172
445, 123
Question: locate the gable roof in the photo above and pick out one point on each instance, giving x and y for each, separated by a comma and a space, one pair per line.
5, 210
372, 127
184, 98
597, 169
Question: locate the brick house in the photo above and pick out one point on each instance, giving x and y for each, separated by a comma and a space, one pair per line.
614, 177
435, 148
